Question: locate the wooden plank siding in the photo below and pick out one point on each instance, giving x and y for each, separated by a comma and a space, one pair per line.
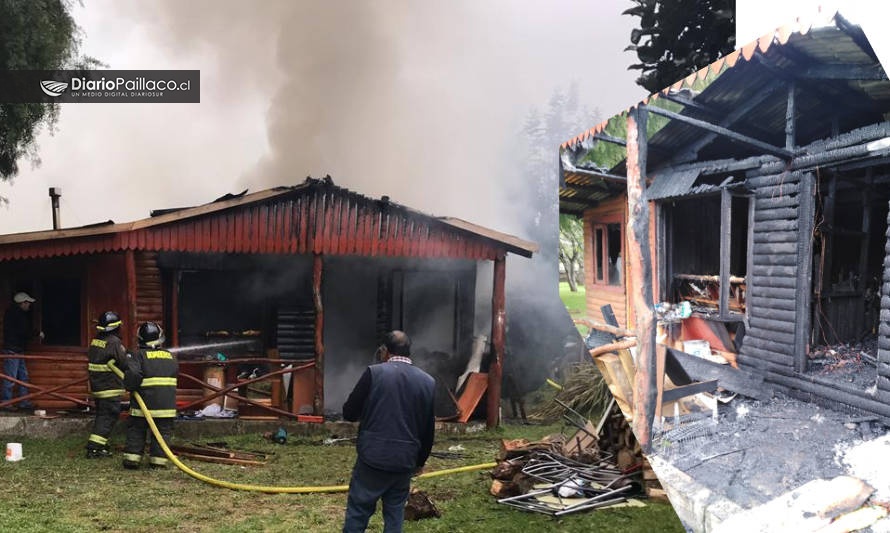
598, 295
314, 219
769, 344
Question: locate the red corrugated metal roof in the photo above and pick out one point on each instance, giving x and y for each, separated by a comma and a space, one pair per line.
315, 216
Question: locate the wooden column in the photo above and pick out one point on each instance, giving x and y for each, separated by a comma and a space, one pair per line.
806, 214
174, 308
318, 399
640, 287
498, 327
725, 249
130, 318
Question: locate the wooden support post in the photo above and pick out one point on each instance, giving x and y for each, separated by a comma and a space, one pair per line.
498, 328
317, 269
802, 319
130, 325
790, 111
640, 262
174, 308
725, 248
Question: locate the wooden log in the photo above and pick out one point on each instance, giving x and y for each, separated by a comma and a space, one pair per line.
775, 236
773, 282
776, 225
770, 325
830, 391
775, 180
769, 248
776, 202
504, 489
805, 269
640, 278
770, 340
775, 259
775, 294
766, 302
768, 356
594, 324
774, 314
781, 213
779, 271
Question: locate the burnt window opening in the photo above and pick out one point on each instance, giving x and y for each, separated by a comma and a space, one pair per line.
57, 312
607, 251
706, 245
848, 254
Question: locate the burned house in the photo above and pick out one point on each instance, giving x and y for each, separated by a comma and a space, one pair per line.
311, 273
756, 190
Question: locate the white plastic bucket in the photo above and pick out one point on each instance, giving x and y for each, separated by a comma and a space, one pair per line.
14, 451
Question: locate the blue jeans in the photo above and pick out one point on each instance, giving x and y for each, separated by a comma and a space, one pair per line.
14, 368
369, 485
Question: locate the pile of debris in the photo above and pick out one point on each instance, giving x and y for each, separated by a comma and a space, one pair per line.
595, 468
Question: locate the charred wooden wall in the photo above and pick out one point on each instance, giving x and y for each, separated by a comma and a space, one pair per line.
884, 327
773, 281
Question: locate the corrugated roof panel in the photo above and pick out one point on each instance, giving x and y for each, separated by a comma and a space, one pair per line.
670, 185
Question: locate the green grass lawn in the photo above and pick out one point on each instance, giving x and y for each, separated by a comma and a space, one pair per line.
55, 489
574, 301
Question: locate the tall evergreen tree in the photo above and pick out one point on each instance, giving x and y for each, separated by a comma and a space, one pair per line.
34, 35
678, 37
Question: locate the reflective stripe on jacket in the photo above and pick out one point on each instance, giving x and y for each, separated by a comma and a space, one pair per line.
153, 373
106, 347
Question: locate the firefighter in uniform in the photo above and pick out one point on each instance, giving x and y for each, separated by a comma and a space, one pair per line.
152, 373
105, 349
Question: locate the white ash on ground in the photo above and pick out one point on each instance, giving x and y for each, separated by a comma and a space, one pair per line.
760, 450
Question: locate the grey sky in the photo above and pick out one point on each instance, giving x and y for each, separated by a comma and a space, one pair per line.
422, 101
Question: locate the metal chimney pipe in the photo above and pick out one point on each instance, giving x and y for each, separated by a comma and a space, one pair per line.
55, 193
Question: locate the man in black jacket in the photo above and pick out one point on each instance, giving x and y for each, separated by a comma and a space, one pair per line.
17, 331
394, 402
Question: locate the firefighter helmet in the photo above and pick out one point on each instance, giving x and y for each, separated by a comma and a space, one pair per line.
150, 334
109, 321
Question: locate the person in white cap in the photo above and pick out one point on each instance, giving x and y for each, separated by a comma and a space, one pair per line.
16, 332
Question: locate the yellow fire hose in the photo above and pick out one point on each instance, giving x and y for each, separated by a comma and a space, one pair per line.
270, 489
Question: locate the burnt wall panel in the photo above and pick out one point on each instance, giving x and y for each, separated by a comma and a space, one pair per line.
884, 328
773, 284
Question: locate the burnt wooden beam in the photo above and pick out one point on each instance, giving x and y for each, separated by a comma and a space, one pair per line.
498, 328
605, 176
732, 379
790, 111
725, 132
855, 32
845, 72
848, 101
610, 139
866, 227
640, 262
806, 216
683, 391
725, 236
728, 120
317, 271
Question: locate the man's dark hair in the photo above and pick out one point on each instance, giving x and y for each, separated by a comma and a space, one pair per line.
398, 343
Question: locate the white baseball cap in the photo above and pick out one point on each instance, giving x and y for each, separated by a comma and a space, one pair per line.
21, 297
